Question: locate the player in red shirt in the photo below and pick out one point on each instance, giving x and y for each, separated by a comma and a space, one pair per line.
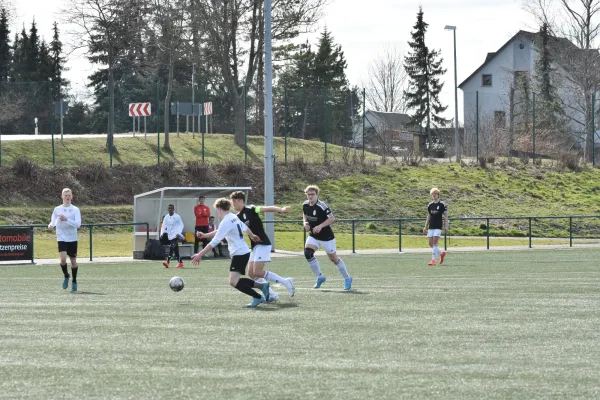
202, 213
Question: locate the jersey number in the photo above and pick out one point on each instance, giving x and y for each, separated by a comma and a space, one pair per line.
240, 231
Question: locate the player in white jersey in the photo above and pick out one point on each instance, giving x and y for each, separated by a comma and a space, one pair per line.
66, 218
232, 229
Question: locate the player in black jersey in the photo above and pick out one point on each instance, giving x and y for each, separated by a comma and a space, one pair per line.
437, 218
261, 251
317, 220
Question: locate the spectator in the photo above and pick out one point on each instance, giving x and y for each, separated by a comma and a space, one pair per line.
202, 213
171, 232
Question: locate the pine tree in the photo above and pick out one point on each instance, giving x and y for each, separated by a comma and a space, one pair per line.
5, 53
57, 63
45, 63
424, 68
19, 60
32, 51
548, 105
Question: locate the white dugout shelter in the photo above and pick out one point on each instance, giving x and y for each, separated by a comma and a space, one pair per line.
151, 207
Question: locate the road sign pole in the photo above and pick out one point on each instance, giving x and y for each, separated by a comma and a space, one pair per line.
61, 121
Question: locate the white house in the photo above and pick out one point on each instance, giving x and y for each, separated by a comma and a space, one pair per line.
492, 85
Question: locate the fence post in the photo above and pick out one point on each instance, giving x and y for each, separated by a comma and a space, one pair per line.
285, 121
363, 127
533, 128
400, 235
326, 125
445, 242
91, 228
593, 130
570, 231
157, 123
529, 232
52, 127
487, 224
477, 122
353, 238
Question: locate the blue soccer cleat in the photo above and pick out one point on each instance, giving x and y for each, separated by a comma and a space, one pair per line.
74, 287
265, 290
320, 280
348, 283
255, 302
66, 282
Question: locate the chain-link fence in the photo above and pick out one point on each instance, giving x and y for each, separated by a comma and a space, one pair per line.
525, 126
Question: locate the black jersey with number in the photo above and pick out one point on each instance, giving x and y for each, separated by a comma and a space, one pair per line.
249, 216
316, 215
436, 213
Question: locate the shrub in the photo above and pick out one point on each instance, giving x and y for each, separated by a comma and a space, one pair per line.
24, 167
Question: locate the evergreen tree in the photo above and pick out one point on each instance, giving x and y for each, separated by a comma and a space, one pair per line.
57, 64
424, 68
317, 93
19, 61
548, 105
32, 51
5, 53
45, 66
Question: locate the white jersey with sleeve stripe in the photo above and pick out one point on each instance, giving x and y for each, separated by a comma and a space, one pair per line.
232, 229
66, 231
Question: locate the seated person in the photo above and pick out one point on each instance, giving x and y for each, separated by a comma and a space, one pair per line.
171, 232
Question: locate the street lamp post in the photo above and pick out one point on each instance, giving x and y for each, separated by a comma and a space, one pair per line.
269, 157
456, 134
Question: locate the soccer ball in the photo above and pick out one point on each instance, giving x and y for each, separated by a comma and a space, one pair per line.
176, 283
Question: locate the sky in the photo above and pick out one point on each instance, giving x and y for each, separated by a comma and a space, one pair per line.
365, 29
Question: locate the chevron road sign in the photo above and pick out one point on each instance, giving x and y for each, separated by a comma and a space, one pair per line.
139, 109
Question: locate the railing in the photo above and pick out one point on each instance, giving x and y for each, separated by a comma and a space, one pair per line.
91, 229
487, 220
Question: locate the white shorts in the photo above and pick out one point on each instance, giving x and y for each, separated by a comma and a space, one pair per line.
328, 245
261, 253
434, 233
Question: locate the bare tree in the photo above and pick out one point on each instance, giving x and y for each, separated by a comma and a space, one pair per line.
169, 19
233, 38
97, 25
578, 21
384, 90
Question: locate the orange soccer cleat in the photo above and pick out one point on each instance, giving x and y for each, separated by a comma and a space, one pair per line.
166, 264
442, 257
180, 265
432, 262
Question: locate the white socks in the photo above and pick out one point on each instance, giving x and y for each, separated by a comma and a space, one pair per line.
436, 250
314, 265
273, 277
342, 268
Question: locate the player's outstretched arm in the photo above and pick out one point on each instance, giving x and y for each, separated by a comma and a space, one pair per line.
282, 210
209, 235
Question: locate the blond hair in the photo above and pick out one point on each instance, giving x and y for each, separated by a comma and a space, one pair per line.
66, 191
434, 190
314, 188
222, 203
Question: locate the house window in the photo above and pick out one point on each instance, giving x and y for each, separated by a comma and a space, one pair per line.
486, 80
499, 119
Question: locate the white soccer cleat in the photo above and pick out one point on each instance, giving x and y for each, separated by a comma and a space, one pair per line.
290, 287
273, 297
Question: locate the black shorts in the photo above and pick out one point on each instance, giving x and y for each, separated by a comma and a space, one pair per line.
239, 263
69, 247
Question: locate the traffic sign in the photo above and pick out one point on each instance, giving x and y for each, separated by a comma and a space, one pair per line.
208, 108
139, 109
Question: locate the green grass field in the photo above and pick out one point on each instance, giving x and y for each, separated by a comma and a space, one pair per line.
521, 324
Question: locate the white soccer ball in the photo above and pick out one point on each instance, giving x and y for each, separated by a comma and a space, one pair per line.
176, 283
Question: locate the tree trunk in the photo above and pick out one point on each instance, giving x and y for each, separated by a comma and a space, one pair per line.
260, 94
167, 103
589, 137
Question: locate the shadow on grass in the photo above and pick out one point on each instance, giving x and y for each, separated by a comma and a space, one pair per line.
344, 291
89, 293
278, 306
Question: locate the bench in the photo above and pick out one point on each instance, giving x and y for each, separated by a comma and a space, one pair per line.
186, 250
